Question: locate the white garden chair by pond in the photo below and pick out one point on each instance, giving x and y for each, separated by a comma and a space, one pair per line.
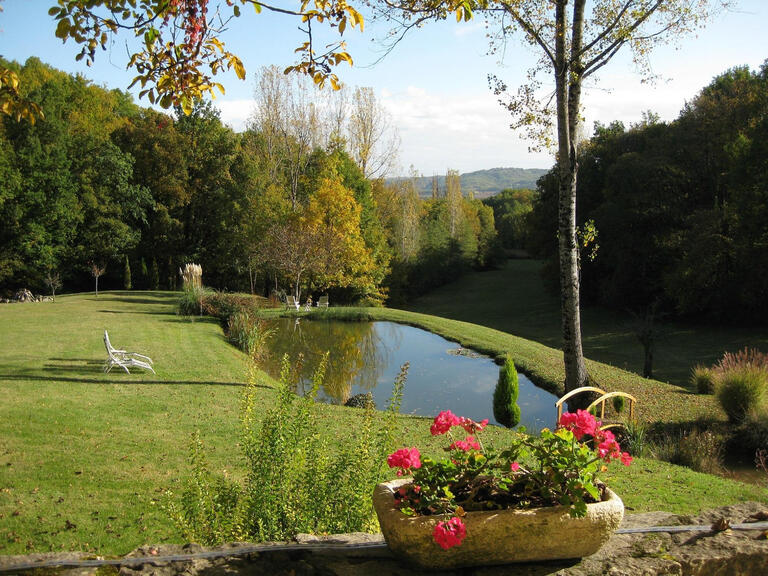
292, 302
124, 359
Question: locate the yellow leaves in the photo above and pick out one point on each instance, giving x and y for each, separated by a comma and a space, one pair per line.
9, 80
11, 102
357, 19
340, 57
238, 66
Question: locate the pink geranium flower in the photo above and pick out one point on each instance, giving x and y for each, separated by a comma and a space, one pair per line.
405, 459
514, 466
608, 448
469, 443
471, 426
444, 422
449, 533
580, 423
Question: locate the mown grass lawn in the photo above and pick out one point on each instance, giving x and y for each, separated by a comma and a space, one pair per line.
85, 457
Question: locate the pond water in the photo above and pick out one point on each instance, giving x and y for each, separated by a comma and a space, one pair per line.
366, 357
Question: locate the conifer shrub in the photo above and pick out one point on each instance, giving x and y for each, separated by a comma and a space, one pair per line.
127, 284
154, 276
143, 275
505, 408
618, 404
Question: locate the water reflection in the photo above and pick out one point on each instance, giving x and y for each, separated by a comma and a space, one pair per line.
366, 357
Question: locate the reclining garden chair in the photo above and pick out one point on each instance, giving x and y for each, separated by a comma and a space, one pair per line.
124, 359
292, 302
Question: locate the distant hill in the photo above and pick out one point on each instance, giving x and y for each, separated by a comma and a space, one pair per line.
484, 183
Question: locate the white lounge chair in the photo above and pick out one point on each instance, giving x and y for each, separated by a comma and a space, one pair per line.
291, 301
124, 359
322, 302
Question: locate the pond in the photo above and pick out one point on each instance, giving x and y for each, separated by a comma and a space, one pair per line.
366, 357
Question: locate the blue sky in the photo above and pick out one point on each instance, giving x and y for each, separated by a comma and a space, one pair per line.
434, 84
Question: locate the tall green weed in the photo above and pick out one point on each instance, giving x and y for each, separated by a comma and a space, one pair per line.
294, 481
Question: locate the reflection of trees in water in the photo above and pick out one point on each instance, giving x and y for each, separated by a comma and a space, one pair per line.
358, 354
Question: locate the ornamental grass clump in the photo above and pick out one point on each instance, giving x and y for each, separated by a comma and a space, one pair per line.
191, 301
555, 468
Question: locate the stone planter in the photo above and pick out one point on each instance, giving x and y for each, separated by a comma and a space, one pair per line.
499, 536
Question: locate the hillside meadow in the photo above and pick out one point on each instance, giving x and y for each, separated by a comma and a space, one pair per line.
86, 457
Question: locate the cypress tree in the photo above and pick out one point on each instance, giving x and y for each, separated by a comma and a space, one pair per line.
154, 276
127, 275
144, 274
505, 408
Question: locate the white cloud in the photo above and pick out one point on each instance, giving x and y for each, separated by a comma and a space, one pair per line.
466, 29
465, 132
235, 113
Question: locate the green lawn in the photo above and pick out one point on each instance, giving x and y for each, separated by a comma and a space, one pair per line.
85, 456
514, 300
83, 453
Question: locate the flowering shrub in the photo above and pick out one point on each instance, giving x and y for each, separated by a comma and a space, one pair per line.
555, 468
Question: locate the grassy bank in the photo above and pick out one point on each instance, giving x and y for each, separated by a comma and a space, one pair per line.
85, 457
513, 299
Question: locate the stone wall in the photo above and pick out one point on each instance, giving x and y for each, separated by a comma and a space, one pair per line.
713, 549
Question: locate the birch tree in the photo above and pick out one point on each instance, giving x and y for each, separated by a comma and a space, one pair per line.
453, 201
373, 141
573, 39
287, 117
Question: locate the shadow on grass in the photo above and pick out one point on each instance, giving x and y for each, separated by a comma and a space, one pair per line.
86, 360
136, 300
153, 313
117, 378
89, 367
188, 319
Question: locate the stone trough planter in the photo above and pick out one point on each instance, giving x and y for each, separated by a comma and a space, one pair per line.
499, 536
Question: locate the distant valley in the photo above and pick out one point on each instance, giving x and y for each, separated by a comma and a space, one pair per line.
483, 183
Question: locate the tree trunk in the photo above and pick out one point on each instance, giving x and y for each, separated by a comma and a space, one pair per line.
648, 363
97, 286
568, 92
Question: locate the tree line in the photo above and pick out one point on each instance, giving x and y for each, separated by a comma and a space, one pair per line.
678, 211
294, 203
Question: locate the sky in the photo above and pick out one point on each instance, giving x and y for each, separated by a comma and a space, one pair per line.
434, 83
